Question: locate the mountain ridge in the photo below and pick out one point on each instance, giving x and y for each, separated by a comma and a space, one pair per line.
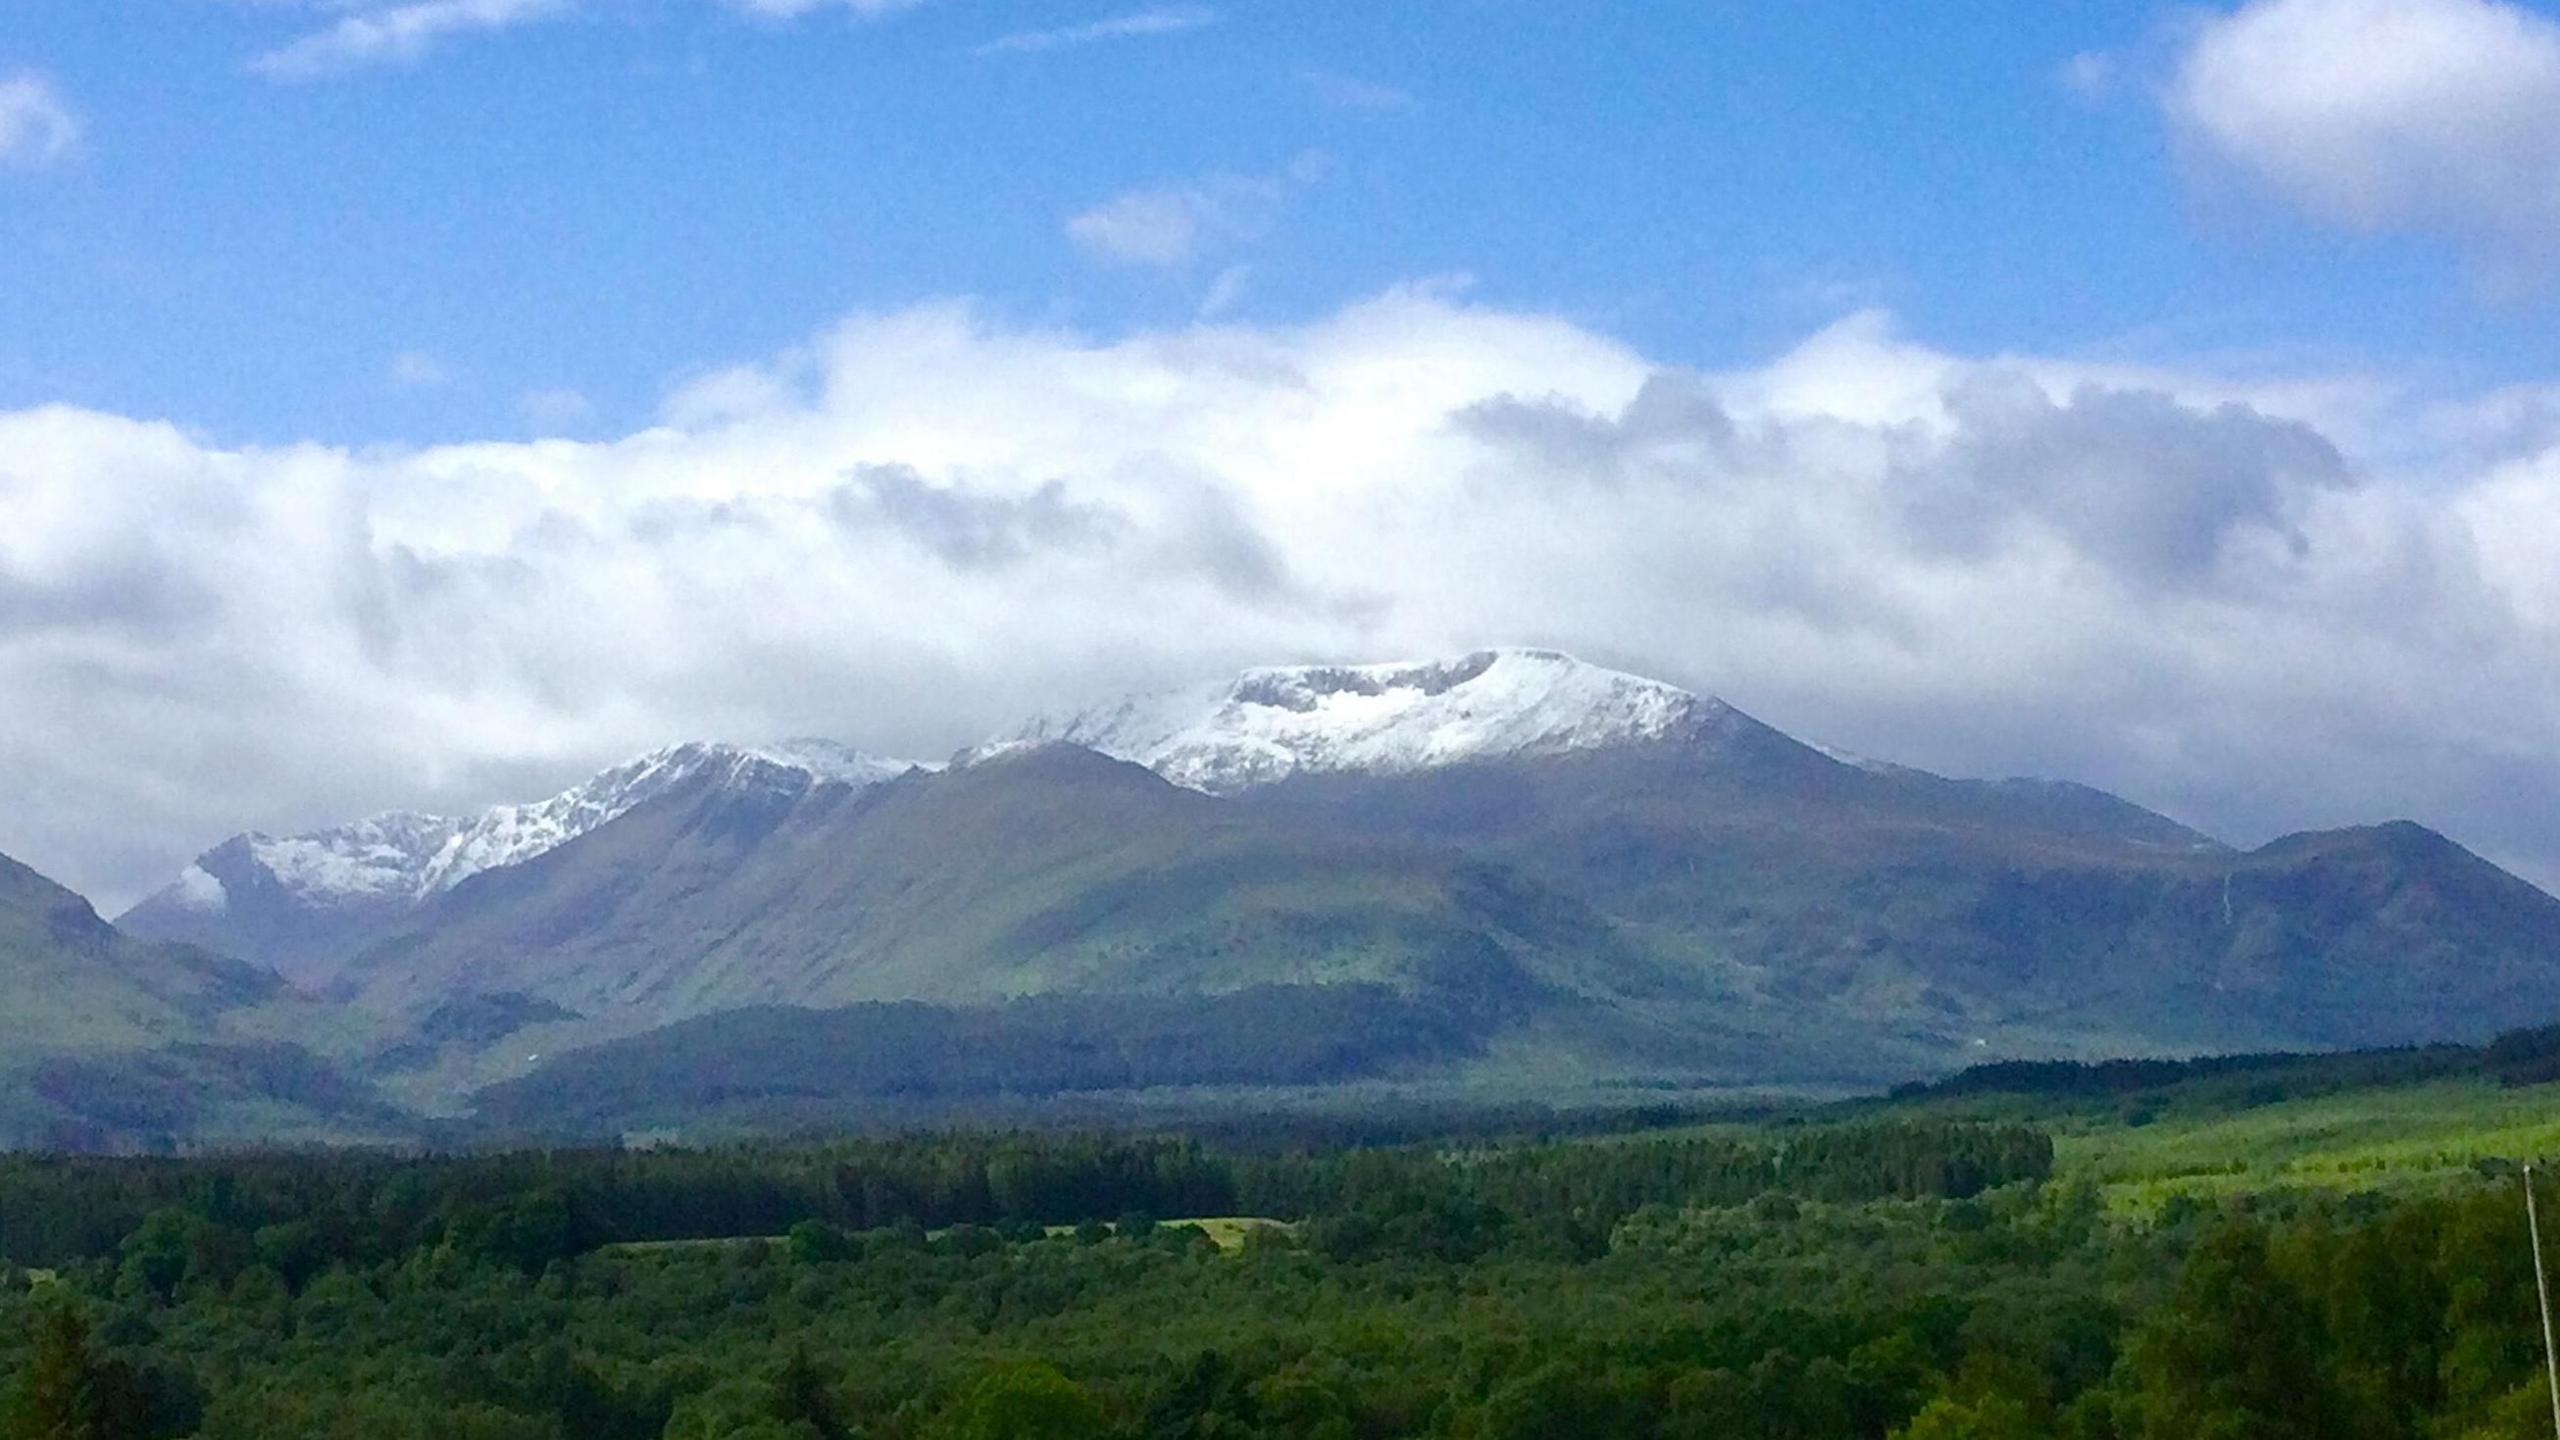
1562, 874
1272, 722
1264, 726
344, 881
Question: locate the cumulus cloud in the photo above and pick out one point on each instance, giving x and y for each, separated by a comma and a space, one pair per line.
1156, 227
1172, 225
921, 526
418, 370
2432, 116
37, 127
1135, 25
2157, 492
553, 411
965, 526
2089, 76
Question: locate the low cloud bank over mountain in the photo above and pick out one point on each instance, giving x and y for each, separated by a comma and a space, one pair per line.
2223, 597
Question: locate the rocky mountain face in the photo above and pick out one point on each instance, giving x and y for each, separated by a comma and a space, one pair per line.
1525, 871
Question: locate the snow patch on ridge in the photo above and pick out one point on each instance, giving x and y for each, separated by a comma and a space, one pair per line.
198, 890
992, 751
405, 857
1271, 723
1856, 761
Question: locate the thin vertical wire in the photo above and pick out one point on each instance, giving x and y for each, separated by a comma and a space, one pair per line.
2542, 1293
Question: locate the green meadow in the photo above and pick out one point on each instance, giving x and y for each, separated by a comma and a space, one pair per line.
2400, 1138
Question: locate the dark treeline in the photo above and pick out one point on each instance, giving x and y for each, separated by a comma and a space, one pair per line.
2519, 1057
528, 1208
531, 1207
1404, 1201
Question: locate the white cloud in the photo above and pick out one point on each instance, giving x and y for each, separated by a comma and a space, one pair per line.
792, 9
1172, 225
418, 370
1350, 92
550, 412
389, 32
1224, 291
921, 526
2089, 76
1135, 25
1148, 227
398, 34
37, 127
2430, 116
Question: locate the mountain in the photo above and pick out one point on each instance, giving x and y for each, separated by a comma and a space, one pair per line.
77, 985
1515, 710
110, 1042
303, 902
1039, 870
1275, 724
2031, 920
2035, 916
1524, 873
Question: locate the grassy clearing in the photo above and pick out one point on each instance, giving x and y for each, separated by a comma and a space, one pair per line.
2384, 1139
1229, 1231
668, 1247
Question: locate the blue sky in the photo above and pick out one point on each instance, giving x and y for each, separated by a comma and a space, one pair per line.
602, 200
426, 402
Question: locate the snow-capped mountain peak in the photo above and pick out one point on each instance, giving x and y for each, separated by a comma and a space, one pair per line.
403, 857
1271, 723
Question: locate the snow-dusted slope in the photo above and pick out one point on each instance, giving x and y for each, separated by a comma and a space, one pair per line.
511, 834
1269, 724
403, 858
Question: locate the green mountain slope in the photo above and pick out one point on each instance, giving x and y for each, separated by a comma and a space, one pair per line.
2031, 918
1051, 871
75, 985
1047, 871
109, 1042
1648, 915
766, 1067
